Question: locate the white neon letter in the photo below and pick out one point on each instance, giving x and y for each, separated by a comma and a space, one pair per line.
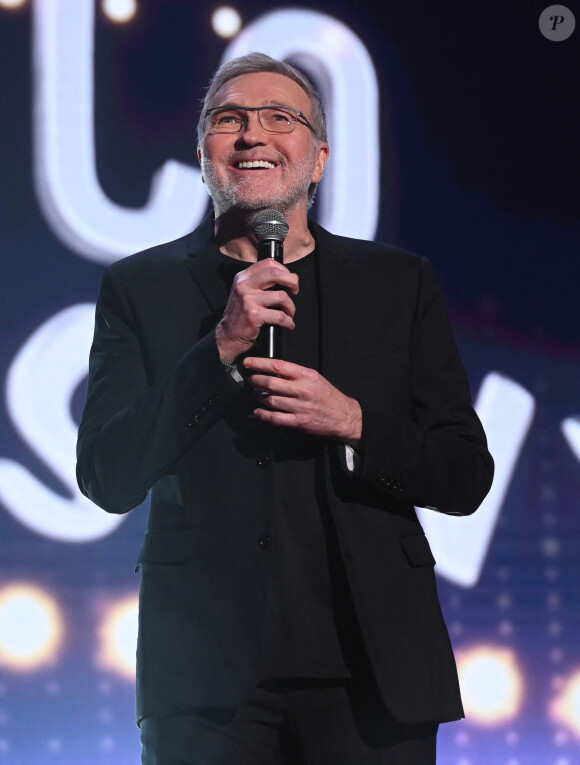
39, 387
571, 431
460, 544
66, 181
342, 68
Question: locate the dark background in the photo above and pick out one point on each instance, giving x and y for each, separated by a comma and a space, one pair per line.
480, 121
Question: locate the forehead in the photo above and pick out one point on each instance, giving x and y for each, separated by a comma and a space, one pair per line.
262, 88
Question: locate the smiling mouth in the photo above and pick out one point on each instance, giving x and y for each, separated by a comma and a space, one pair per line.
255, 165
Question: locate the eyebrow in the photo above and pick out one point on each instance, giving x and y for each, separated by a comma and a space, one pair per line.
233, 105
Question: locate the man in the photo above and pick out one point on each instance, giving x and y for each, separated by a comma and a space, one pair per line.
288, 607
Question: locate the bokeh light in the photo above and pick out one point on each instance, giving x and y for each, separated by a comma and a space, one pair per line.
118, 637
12, 3
31, 627
120, 11
565, 708
491, 684
226, 21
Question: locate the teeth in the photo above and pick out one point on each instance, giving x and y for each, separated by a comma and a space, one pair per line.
256, 163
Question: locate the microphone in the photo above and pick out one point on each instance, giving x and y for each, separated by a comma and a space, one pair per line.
270, 228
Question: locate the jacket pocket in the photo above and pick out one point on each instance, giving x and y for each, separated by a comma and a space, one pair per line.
172, 546
417, 550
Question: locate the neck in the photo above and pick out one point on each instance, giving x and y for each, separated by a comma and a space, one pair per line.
235, 236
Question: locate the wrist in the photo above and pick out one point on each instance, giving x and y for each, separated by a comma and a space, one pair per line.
227, 354
353, 436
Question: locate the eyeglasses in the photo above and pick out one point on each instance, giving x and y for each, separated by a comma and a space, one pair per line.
273, 119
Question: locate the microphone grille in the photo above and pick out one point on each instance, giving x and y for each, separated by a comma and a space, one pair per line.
270, 224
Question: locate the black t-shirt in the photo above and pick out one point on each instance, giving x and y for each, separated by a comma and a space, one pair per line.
300, 638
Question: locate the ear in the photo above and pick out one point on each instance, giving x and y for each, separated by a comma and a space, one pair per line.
321, 159
199, 158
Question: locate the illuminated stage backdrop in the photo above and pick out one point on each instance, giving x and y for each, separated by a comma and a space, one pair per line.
454, 133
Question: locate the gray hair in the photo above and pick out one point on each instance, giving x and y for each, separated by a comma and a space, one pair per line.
253, 63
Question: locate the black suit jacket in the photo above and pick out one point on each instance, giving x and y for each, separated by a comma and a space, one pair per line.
161, 415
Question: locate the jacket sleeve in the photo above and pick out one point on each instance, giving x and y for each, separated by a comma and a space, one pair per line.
134, 429
436, 457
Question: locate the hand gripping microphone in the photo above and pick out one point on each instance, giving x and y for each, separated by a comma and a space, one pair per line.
270, 228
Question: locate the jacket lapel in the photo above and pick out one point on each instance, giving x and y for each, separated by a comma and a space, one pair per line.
334, 306
203, 251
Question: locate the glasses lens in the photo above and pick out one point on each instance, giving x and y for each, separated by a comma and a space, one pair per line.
225, 121
277, 120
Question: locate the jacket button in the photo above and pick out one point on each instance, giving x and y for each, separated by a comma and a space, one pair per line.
264, 541
263, 461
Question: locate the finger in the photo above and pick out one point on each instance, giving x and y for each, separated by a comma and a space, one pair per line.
260, 265
273, 273
282, 419
272, 316
301, 411
278, 367
274, 386
276, 299
264, 275
255, 311
278, 403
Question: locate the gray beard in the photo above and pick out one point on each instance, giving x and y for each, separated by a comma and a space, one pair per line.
224, 198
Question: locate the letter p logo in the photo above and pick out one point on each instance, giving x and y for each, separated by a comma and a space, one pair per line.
556, 23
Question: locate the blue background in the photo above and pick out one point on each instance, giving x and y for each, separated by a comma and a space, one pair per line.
480, 120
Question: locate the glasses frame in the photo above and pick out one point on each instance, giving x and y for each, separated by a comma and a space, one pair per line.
299, 116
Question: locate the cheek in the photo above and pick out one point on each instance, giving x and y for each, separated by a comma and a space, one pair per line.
210, 168
215, 149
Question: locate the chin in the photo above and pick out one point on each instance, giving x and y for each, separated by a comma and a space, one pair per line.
251, 205
248, 201
257, 199
274, 201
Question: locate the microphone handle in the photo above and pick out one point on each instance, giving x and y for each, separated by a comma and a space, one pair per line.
269, 338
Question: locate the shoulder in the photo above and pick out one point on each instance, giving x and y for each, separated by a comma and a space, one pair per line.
163, 258
370, 256
379, 251
152, 260
379, 269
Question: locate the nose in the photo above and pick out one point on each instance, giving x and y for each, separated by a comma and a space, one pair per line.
252, 130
